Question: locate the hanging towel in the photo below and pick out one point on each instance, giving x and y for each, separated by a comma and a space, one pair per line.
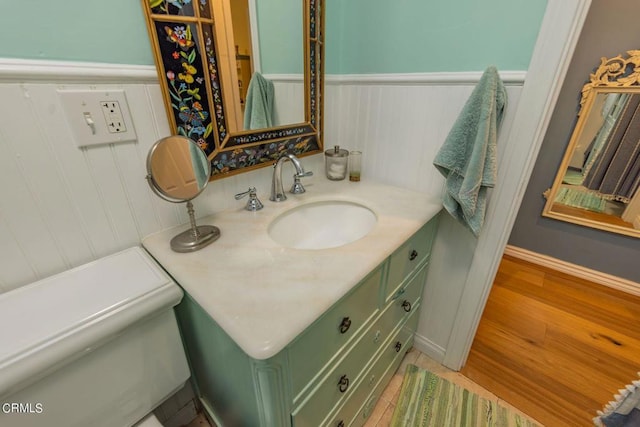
467, 159
199, 163
258, 110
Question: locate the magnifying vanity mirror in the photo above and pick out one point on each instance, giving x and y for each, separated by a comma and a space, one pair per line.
208, 76
598, 180
177, 171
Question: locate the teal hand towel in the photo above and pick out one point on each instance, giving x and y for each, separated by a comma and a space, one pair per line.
199, 163
258, 109
467, 159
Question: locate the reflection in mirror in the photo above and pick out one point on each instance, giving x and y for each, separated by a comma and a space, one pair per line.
178, 168
177, 171
203, 67
598, 180
241, 27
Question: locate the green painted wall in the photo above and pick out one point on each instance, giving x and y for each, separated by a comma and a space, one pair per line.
280, 33
110, 31
411, 36
362, 36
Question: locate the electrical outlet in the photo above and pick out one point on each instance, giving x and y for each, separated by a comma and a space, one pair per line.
98, 116
113, 116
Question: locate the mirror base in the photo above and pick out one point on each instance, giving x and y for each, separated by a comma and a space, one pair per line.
187, 242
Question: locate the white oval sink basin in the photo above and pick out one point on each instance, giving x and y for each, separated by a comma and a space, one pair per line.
322, 225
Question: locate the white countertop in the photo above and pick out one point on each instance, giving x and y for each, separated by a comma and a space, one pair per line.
264, 295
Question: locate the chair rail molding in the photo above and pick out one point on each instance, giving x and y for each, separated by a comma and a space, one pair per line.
434, 78
559, 33
34, 70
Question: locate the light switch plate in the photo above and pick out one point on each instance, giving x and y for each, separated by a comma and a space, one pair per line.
98, 116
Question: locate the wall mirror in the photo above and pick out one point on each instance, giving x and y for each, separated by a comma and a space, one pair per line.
598, 179
206, 71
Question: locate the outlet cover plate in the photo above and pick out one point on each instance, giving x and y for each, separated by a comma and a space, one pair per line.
89, 122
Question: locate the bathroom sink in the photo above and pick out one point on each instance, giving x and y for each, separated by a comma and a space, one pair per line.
322, 225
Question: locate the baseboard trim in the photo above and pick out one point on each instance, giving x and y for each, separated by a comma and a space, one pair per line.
599, 277
429, 348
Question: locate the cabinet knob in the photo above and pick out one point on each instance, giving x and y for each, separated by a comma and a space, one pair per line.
372, 380
413, 255
344, 326
398, 346
406, 305
343, 384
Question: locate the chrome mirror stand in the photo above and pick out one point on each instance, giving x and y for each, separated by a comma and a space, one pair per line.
195, 238
167, 182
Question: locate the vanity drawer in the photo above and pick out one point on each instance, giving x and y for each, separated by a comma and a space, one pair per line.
410, 256
324, 340
328, 394
395, 313
391, 360
407, 295
360, 404
335, 387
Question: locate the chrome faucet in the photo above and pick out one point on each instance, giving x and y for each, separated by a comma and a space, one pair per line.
277, 189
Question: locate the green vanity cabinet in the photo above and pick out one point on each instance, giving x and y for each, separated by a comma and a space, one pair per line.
333, 373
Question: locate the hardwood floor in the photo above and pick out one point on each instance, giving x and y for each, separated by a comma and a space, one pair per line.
555, 346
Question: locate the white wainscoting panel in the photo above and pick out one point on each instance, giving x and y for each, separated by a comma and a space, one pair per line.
289, 98
62, 206
400, 126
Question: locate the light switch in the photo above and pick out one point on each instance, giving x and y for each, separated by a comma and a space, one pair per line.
98, 116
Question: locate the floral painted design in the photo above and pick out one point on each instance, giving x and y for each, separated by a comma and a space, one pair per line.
214, 78
260, 136
312, 19
186, 83
204, 8
312, 83
171, 7
228, 161
192, 87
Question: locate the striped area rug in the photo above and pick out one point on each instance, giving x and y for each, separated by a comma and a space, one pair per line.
426, 400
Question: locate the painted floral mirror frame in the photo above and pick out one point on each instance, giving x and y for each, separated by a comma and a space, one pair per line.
185, 41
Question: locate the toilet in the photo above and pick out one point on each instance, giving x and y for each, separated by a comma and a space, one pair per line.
97, 345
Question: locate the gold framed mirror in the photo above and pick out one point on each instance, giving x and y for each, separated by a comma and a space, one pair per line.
598, 180
198, 64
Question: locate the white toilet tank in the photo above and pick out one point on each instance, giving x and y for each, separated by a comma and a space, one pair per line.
97, 345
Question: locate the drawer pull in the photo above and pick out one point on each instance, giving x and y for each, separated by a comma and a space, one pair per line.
406, 305
398, 346
413, 255
343, 384
344, 326
340, 424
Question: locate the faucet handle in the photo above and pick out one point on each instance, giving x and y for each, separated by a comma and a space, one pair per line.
253, 204
303, 174
297, 187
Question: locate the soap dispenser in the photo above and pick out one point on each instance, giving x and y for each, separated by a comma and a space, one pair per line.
336, 163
